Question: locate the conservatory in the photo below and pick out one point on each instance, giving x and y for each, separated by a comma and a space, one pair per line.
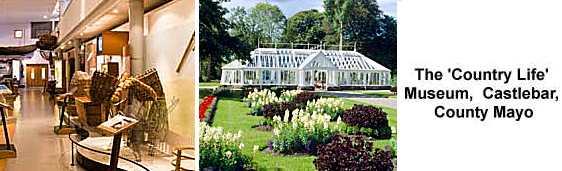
306, 68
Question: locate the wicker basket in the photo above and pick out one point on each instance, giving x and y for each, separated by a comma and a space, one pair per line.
103, 86
150, 77
82, 83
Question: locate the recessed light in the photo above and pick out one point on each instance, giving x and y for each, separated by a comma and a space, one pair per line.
45, 17
115, 11
81, 34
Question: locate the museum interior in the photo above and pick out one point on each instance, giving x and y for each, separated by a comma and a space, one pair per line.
98, 84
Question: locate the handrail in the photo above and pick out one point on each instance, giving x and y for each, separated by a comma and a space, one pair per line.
106, 153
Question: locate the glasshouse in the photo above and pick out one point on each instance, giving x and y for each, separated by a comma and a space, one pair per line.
306, 68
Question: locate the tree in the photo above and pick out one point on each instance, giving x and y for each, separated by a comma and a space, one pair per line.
383, 47
217, 46
361, 22
264, 22
337, 13
305, 27
242, 28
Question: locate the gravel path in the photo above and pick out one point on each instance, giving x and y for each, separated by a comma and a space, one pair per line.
372, 99
388, 102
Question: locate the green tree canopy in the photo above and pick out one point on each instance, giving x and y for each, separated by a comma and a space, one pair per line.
264, 22
305, 27
217, 46
361, 22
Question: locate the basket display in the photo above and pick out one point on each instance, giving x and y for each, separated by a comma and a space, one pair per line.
142, 91
150, 77
103, 86
81, 82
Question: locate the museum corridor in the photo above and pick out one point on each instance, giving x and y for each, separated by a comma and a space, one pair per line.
119, 70
37, 147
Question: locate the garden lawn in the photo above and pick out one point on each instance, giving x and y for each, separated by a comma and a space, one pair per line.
232, 115
378, 93
209, 84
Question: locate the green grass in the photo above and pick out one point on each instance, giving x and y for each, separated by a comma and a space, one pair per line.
232, 115
209, 84
378, 93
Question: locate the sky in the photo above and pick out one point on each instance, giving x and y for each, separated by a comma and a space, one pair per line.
290, 7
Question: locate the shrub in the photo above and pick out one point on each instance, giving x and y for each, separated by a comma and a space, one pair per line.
220, 150
229, 93
303, 133
304, 97
367, 120
393, 89
278, 109
352, 153
365, 116
330, 106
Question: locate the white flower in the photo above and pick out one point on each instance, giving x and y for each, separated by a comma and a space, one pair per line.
286, 116
229, 136
256, 148
228, 154
338, 121
241, 146
276, 132
277, 119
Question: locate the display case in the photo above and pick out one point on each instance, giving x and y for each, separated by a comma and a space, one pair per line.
116, 104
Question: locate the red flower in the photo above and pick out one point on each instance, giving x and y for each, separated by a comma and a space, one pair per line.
204, 106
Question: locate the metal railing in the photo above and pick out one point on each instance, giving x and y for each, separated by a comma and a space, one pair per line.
75, 142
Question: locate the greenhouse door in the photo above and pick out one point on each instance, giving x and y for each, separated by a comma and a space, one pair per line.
320, 79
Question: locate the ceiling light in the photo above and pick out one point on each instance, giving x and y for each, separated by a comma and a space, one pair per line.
115, 11
45, 17
81, 34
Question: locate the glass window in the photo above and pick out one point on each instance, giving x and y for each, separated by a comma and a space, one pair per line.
43, 73
307, 77
266, 75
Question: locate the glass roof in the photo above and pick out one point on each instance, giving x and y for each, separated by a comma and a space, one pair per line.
295, 58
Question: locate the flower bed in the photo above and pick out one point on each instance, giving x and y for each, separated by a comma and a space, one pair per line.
299, 101
304, 97
303, 133
278, 109
352, 153
209, 102
287, 96
330, 106
220, 150
257, 99
367, 120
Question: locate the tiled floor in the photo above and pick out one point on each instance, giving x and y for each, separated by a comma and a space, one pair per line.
38, 148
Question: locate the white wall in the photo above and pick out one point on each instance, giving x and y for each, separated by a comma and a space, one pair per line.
7, 35
76, 12
169, 30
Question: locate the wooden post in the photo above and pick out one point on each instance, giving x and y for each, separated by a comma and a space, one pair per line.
61, 117
115, 152
6, 135
178, 160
